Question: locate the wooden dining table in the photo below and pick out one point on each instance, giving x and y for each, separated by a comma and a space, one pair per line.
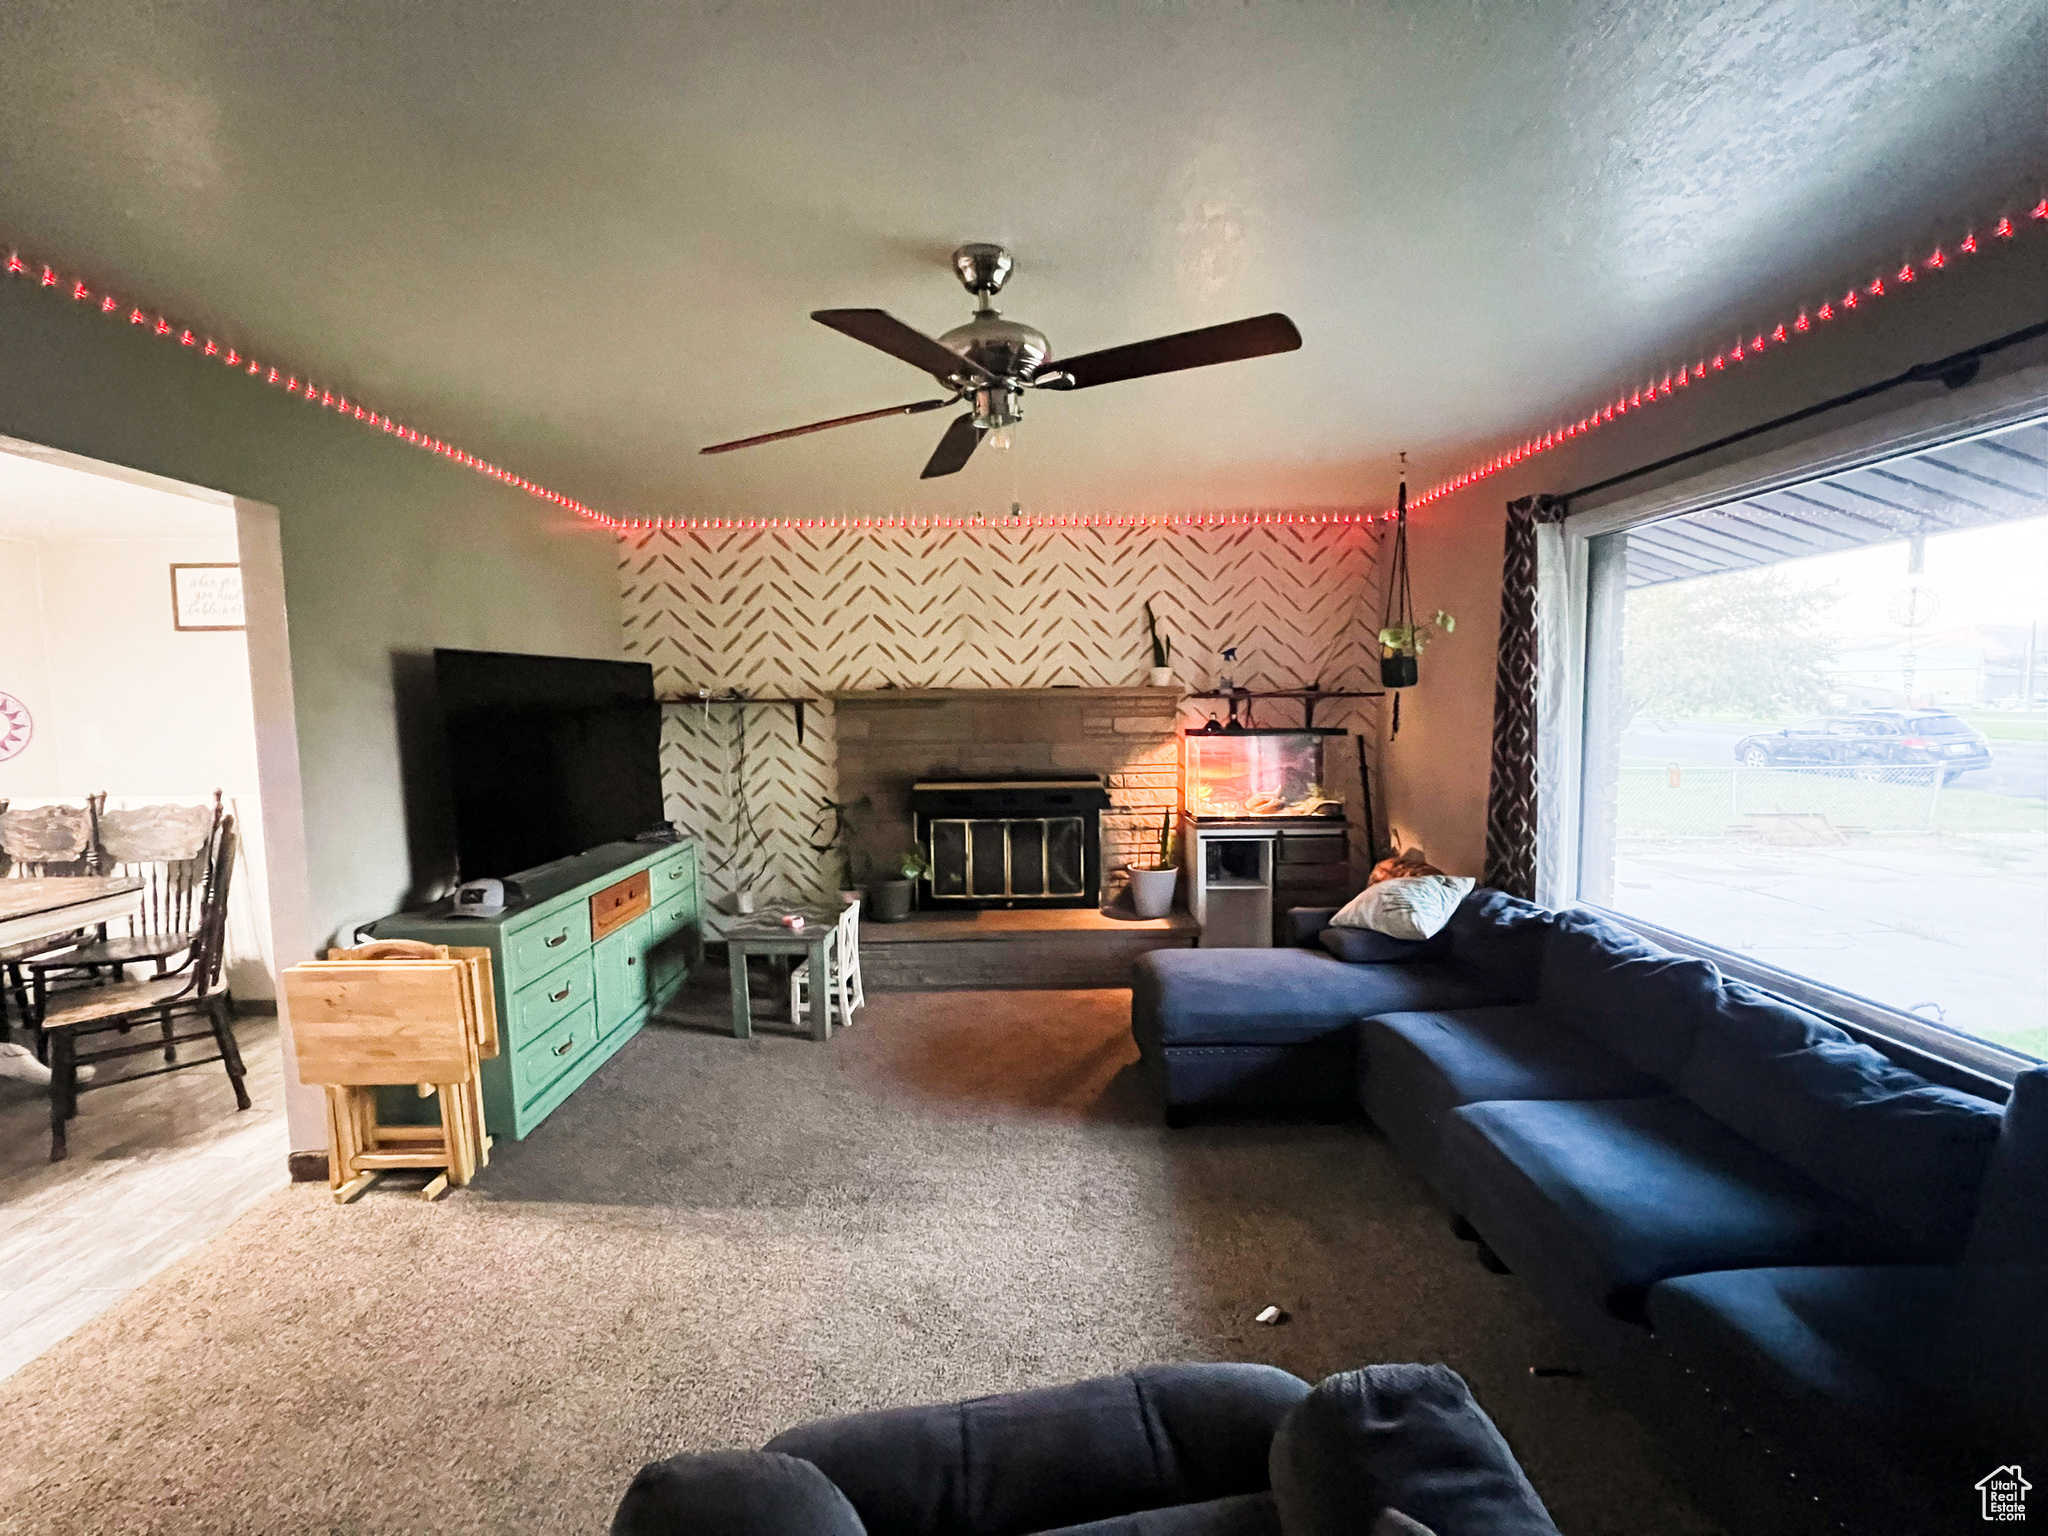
50, 906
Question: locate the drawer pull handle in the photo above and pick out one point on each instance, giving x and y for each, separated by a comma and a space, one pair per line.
632, 959
558, 940
556, 997
566, 1046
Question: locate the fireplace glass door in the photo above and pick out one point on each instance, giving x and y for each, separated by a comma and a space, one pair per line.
1026, 856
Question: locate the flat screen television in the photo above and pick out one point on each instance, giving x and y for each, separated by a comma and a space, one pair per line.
547, 755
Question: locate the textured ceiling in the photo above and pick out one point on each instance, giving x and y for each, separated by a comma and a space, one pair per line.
583, 240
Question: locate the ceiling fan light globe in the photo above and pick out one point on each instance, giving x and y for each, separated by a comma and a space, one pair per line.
999, 439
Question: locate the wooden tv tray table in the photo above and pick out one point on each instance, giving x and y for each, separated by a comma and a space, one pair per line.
386, 1015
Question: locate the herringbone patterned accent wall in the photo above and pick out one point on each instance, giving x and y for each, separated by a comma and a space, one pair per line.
809, 612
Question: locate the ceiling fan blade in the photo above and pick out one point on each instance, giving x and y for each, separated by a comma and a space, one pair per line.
913, 409
1257, 337
879, 328
954, 449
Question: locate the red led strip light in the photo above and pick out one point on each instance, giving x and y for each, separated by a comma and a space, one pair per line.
1675, 380
1703, 369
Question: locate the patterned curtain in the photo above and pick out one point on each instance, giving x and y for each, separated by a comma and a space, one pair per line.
1511, 795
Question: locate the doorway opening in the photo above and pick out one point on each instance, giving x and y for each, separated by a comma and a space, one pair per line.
144, 694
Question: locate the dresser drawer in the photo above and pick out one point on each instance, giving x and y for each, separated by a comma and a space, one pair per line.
540, 1004
668, 963
617, 905
679, 913
543, 1059
539, 947
674, 875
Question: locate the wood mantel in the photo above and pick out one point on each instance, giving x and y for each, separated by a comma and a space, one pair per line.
979, 695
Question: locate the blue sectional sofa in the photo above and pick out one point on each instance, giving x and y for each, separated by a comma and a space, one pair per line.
1178, 1450
1276, 1028
1826, 1273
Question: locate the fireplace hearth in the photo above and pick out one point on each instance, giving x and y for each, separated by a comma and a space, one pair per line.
1011, 841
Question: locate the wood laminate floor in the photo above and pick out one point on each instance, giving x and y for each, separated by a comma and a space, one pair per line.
157, 1167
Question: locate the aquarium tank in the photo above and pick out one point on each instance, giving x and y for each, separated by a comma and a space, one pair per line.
1231, 775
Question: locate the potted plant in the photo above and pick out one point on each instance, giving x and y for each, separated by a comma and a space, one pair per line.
844, 841
1401, 647
1162, 651
1152, 885
890, 899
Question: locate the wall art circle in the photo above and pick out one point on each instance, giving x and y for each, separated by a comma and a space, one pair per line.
16, 726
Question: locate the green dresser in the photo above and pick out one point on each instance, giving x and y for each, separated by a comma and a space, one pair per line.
596, 944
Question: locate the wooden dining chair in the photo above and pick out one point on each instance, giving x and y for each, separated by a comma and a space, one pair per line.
193, 988
37, 842
169, 849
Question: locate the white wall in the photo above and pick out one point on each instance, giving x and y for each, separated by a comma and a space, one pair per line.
122, 700
127, 704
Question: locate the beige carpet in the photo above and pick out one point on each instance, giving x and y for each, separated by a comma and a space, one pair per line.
715, 1239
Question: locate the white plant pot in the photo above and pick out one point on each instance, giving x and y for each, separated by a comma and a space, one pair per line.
1152, 891
1162, 677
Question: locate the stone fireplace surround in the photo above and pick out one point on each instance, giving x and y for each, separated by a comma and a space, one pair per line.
889, 738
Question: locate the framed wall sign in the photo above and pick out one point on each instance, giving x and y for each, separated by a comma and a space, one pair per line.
206, 596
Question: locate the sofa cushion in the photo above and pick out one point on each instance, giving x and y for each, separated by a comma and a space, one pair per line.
1912, 1357
1034, 1461
1876, 1134
1361, 946
1601, 1200
1406, 906
1415, 1068
2012, 1211
734, 1493
1247, 1514
1275, 996
1316, 1076
1497, 942
1641, 1002
1401, 1437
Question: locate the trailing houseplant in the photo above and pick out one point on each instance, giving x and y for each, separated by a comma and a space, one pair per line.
891, 899
1402, 645
1162, 651
1152, 885
1402, 638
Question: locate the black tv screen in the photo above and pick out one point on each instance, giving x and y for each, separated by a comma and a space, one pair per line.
547, 756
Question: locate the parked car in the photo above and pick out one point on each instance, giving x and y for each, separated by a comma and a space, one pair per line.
1871, 739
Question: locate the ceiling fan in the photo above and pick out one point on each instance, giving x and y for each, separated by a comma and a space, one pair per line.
989, 362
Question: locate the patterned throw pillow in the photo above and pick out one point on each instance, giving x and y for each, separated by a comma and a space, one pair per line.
1409, 907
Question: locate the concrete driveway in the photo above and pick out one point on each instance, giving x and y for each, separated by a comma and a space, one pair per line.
1948, 927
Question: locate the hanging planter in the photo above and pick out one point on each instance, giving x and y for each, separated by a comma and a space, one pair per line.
1402, 639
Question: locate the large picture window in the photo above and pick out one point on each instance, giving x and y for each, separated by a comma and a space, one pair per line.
1817, 733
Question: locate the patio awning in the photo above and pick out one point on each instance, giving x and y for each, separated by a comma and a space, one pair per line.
1991, 479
